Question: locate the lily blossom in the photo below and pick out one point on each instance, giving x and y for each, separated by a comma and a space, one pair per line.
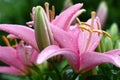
74, 42
78, 43
17, 59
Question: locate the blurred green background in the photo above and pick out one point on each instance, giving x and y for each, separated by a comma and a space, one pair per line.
17, 11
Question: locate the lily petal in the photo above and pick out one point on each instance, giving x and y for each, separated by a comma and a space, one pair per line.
64, 38
22, 32
11, 36
91, 59
10, 70
33, 56
8, 55
22, 53
54, 50
66, 17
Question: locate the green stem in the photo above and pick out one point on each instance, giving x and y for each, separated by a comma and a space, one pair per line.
89, 73
57, 71
30, 77
94, 71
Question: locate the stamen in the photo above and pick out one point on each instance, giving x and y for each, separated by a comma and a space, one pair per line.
107, 34
47, 9
89, 39
52, 13
83, 23
103, 32
84, 28
98, 25
91, 29
6, 41
93, 15
16, 43
79, 23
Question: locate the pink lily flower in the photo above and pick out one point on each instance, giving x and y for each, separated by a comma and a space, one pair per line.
73, 42
17, 59
28, 35
79, 49
78, 46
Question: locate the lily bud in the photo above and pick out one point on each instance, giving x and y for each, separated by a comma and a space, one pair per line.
108, 43
114, 29
117, 44
102, 12
43, 33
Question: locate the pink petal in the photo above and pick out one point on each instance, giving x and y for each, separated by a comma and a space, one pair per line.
8, 55
34, 56
10, 70
66, 17
23, 32
11, 36
64, 39
53, 50
74, 31
26, 54
84, 38
22, 54
91, 59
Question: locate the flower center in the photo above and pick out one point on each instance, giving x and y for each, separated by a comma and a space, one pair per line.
50, 13
90, 28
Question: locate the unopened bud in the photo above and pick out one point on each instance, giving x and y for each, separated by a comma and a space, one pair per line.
43, 33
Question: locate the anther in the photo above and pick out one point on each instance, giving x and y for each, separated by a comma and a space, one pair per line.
102, 32
53, 10
52, 13
107, 34
6, 41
